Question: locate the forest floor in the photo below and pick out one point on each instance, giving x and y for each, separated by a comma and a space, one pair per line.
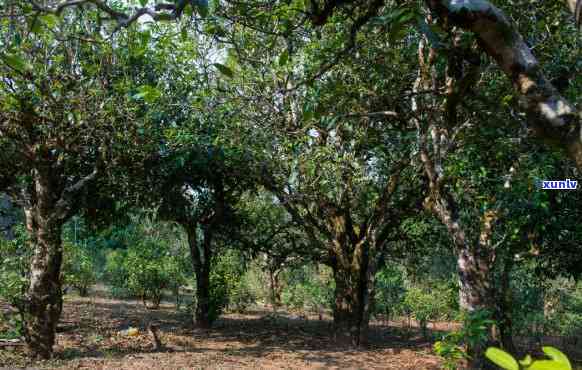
92, 334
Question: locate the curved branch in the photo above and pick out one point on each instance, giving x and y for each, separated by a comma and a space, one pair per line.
159, 12
553, 117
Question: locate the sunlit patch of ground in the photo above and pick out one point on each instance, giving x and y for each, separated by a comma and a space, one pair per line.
91, 336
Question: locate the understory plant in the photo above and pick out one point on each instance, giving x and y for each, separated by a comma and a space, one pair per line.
557, 360
78, 268
453, 346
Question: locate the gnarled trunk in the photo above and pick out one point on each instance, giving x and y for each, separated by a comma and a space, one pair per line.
354, 293
474, 280
201, 264
43, 302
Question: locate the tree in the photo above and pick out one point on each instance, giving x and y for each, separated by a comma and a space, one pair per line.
62, 119
269, 233
486, 196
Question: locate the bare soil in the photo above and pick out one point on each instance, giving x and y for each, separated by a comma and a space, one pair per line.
93, 335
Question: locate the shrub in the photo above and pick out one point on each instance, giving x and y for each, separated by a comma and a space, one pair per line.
78, 268
452, 348
426, 305
116, 273
389, 292
14, 258
307, 288
229, 285
145, 270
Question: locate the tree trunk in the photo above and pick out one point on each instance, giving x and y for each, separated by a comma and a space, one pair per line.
275, 286
43, 302
201, 264
475, 294
474, 280
505, 307
354, 289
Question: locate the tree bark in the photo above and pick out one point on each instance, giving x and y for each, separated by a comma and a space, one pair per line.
553, 117
505, 306
275, 286
354, 292
474, 280
201, 263
43, 302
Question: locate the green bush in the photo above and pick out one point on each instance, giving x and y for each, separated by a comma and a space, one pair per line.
14, 261
427, 305
452, 348
78, 269
229, 287
144, 271
389, 292
116, 273
564, 308
308, 289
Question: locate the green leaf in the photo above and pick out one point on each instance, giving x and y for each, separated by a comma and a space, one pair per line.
501, 358
548, 365
148, 93
50, 20
35, 26
283, 58
557, 356
143, 2
16, 62
224, 70
527, 360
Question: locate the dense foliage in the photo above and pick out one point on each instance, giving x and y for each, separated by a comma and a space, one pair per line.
354, 160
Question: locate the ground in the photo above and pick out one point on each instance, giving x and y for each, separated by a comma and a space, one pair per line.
93, 335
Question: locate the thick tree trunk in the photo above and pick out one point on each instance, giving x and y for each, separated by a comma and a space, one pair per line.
474, 261
354, 291
201, 263
43, 302
475, 294
474, 280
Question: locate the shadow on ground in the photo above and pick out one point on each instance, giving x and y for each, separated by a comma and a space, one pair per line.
96, 328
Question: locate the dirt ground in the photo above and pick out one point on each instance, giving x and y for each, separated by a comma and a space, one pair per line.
92, 334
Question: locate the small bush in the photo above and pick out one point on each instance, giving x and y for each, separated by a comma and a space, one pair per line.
307, 288
78, 269
453, 347
228, 286
116, 274
426, 305
14, 261
389, 292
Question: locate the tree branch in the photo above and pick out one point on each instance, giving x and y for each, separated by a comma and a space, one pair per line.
159, 12
66, 203
552, 116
